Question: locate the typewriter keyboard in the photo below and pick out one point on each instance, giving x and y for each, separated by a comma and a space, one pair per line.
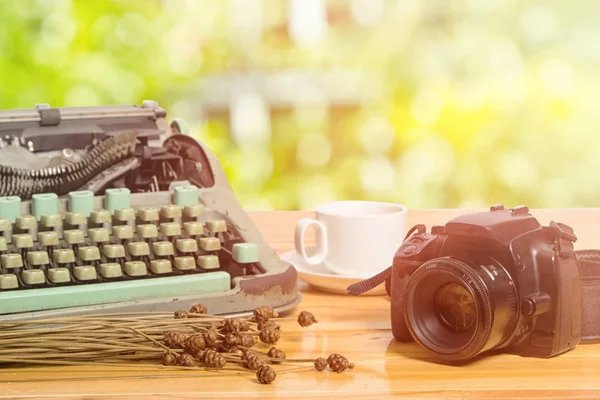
77, 252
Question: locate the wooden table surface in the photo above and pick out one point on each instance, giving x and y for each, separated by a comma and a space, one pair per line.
358, 328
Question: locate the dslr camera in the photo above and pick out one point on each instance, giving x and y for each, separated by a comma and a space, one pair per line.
487, 281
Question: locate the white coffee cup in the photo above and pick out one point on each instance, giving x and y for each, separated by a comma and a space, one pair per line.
354, 238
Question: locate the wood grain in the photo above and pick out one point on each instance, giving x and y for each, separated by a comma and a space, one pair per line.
358, 328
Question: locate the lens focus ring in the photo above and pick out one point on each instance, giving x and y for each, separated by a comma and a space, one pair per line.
456, 309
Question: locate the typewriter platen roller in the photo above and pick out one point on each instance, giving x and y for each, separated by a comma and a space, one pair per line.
114, 209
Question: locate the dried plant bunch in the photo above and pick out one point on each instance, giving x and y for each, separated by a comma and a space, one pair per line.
190, 339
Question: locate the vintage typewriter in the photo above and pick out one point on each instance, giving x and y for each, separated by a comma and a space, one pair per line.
114, 209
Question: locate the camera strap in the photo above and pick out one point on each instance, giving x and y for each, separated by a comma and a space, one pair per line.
589, 268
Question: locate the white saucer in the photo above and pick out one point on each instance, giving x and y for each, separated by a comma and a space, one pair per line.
322, 279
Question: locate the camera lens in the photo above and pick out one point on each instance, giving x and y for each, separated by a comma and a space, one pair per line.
458, 308
455, 306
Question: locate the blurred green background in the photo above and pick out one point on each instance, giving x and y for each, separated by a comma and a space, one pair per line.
428, 103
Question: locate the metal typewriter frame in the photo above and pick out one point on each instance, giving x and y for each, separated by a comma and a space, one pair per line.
276, 287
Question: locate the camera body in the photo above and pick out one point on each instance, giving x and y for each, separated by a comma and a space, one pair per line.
489, 280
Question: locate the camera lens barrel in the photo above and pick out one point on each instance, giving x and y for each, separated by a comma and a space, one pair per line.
457, 309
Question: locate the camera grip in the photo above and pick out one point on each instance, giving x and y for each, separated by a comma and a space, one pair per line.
399, 327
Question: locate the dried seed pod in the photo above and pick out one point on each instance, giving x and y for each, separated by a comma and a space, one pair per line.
198, 309
269, 335
339, 363
332, 355
231, 339
170, 358
210, 336
265, 374
244, 326
213, 359
276, 353
320, 364
248, 340
236, 351
263, 313
306, 318
179, 314
187, 360
174, 339
263, 324
232, 325
195, 343
251, 361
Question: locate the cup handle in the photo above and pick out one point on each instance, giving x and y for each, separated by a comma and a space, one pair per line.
321, 250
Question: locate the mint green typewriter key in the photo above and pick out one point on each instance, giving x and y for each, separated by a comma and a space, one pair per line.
193, 228
99, 235
3, 244
63, 256
48, 238
170, 211
245, 253
208, 262
185, 263
5, 225
8, 281
100, 216
186, 195
163, 249
111, 270
88, 253
138, 249
33, 276
114, 251
117, 198
85, 273
22, 241
216, 226
125, 214
122, 232
186, 245
10, 261
26, 222
10, 208
51, 220
36, 258
81, 202
193, 211
135, 268
59, 275
170, 229
75, 218
73, 237
210, 244
147, 214
147, 231
161, 266
44, 204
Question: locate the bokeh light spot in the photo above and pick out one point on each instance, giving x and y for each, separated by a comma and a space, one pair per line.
314, 150
556, 77
377, 135
250, 119
57, 30
378, 176
133, 29
426, 106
